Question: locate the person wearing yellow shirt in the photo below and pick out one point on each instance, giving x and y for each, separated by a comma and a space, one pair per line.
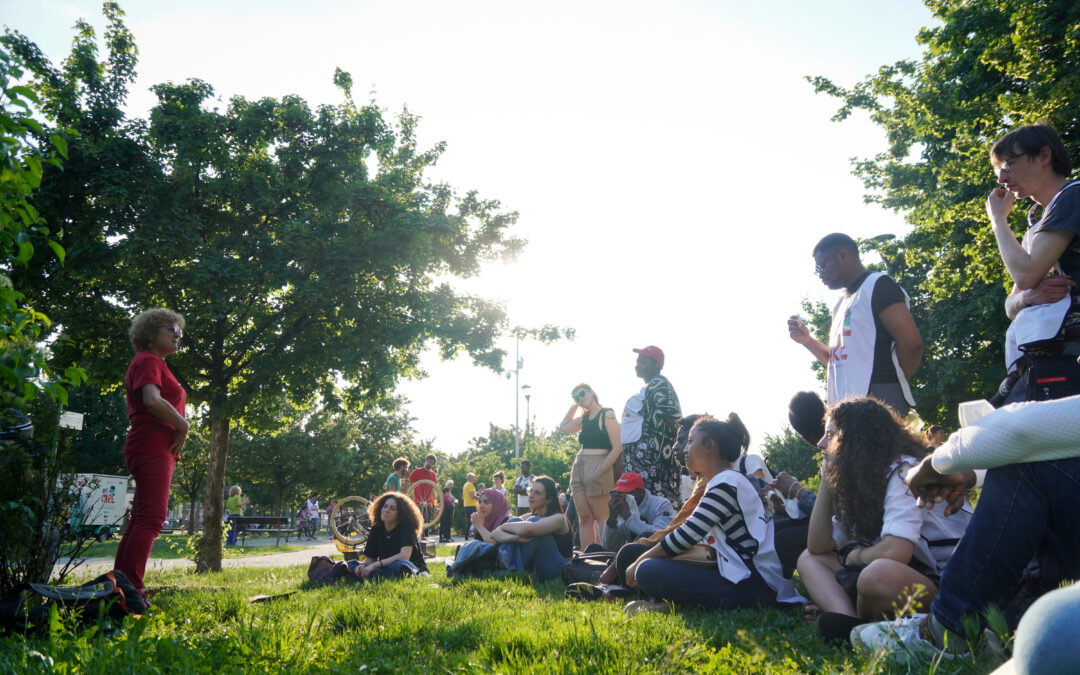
468, 499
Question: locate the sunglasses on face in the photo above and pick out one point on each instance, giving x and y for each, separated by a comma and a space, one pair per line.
579, 396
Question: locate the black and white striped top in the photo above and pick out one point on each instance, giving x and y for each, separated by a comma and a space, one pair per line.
719, 508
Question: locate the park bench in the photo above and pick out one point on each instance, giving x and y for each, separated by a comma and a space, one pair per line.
275, 525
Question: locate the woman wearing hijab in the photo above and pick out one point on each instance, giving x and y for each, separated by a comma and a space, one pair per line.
492, 510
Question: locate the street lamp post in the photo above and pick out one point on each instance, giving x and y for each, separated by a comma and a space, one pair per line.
528, 417
517, 390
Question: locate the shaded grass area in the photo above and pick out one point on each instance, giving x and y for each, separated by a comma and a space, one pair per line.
172, 546
492, 625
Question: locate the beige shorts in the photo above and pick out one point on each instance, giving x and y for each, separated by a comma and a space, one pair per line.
586, 463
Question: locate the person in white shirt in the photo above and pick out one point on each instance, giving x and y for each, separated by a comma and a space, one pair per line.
521, 486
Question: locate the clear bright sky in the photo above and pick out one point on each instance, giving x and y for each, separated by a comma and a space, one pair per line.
671, 166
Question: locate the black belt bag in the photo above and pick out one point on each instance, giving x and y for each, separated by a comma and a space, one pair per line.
1051, 377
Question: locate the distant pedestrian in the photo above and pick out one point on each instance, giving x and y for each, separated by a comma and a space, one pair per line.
393, 482
521, 487
234, 507
468, 499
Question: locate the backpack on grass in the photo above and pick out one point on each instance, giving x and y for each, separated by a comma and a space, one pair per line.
112, 594
587, 567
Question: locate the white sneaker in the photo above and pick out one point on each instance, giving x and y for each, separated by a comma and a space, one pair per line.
641, 606
899, 641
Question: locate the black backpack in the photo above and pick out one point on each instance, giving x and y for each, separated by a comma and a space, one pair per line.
587, 567
112, 594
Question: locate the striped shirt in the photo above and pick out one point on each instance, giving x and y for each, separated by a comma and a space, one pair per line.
719, 508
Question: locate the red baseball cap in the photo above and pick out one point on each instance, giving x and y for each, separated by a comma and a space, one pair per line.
629, 482
653, 352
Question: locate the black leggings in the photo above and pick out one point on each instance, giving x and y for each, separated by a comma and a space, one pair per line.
626, 557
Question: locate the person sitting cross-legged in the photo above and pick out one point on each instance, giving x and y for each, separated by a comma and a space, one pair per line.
736, 565
393, 543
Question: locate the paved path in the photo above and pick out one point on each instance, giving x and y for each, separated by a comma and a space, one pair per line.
322, 546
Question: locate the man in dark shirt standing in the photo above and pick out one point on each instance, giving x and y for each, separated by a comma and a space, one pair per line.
874, 345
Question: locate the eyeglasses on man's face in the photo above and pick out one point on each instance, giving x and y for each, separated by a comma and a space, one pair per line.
819, 266
1008, 165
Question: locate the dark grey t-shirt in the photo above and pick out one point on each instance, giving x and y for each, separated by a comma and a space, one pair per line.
1064, 215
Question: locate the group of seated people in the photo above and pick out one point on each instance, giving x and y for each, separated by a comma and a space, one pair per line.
889, 530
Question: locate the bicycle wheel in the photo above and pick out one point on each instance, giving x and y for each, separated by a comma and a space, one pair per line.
431, 513
350, 524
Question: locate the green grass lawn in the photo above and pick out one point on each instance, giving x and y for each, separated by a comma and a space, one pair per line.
172, 546
204, 623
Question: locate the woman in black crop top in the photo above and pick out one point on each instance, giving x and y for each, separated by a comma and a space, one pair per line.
592, 477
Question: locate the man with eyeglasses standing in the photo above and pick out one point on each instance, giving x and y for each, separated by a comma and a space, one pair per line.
874, 345
1043, 341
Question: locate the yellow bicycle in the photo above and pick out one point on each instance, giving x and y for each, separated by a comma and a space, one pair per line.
350, 523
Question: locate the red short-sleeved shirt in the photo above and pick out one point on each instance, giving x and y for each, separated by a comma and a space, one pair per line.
423, 493
148, 433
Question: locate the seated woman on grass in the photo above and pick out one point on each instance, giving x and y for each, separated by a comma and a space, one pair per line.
542, 542
729, 523
393, 543
869, 544
492, 510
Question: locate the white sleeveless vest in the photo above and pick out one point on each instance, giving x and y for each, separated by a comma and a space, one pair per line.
851, 345
1038, 322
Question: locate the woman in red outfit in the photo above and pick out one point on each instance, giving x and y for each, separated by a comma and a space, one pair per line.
155, 404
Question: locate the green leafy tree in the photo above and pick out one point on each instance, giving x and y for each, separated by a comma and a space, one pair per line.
99, 446
34, 501
988, 67
305, 247
189, 477
787, 451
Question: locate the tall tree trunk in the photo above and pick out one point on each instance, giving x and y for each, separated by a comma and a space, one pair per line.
209, 558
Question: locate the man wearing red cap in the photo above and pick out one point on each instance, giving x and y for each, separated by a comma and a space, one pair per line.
648, 427
633, 512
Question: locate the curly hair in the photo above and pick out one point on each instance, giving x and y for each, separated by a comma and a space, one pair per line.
146, 325
870, 437
408, 512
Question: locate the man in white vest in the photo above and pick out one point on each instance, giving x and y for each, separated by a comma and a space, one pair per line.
874, 345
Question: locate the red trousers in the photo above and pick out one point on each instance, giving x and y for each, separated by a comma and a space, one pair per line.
153, 473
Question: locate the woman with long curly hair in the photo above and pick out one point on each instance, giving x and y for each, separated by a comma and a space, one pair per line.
869, 545
393, 543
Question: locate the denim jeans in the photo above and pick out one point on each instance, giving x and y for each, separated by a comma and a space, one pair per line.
398, 568
1046, 639
686, 584
539, 554
1022, 507
233, 527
